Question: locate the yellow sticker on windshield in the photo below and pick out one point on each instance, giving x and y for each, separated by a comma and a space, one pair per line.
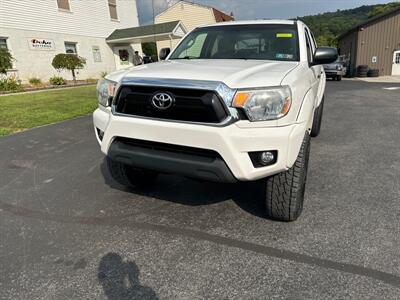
284, 35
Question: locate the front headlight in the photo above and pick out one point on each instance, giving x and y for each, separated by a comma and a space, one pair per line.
339, 68
264, 104
105, 91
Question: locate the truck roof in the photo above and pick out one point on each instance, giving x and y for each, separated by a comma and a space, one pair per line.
253, 22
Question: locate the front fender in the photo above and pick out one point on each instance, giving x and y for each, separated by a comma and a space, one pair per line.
306, 113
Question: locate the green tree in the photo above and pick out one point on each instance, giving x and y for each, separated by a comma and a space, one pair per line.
150, 49
328, 26
6, 60
380, 9
68, 62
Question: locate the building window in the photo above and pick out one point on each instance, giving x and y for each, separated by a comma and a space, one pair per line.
96, 54
70, 48
3, 43
396, 60
63, 4
112, 6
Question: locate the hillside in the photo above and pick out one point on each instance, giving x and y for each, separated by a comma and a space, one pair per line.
328, 26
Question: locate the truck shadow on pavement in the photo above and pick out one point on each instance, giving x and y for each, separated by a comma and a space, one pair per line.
247, 195
120, 279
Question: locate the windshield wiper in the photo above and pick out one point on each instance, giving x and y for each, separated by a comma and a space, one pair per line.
186, 57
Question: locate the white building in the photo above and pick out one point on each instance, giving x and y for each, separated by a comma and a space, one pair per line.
35, 31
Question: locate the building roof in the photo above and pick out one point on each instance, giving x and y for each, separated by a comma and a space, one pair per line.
219, 15
222, 17
375, 19
142, 31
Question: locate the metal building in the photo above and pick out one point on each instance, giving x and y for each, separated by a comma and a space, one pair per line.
375, 43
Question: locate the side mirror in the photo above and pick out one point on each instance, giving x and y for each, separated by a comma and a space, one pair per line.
164, 52
325, 55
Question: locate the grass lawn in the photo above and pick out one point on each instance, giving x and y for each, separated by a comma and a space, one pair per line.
20, 112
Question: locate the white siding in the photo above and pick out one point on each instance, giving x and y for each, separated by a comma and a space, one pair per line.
191, 15
35, 63
87, 17
87, 24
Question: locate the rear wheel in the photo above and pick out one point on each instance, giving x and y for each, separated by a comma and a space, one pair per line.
129, 176
285, 191
316, 127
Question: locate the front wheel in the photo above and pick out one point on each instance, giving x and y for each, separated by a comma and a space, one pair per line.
285, 191
129, 176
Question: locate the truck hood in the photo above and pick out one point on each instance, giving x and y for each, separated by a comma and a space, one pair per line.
234, 73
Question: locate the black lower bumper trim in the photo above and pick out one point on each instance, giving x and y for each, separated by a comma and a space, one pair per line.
162, 158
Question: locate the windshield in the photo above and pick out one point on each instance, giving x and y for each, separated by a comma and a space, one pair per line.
263, 42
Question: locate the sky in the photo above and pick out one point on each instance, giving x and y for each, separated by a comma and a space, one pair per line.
259, 9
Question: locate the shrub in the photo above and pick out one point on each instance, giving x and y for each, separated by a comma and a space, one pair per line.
103, 74
35, 81
91, 80
10, 84
6, 60
68, 62
57, 80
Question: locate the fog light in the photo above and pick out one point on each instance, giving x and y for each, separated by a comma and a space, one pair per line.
266, 158
263, 158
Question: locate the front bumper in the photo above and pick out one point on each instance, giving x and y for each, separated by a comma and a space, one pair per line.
335, 73
231, 142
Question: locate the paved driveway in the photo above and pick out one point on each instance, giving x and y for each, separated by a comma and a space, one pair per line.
67, 231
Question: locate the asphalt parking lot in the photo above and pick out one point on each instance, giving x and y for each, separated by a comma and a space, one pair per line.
67, 231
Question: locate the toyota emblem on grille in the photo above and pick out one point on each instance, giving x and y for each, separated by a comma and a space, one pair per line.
162, 101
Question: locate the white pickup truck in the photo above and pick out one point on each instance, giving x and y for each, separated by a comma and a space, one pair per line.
232, 102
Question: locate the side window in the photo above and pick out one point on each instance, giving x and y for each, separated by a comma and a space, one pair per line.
311, 41
309, 49
314, 41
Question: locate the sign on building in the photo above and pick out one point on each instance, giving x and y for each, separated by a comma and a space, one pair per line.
41, 44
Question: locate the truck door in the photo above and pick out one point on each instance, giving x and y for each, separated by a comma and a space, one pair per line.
318, 74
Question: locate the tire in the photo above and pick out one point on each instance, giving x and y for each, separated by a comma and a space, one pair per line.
339, 78
373, 73
285, 191
363, 68
362, 71
129, 176
316, 126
